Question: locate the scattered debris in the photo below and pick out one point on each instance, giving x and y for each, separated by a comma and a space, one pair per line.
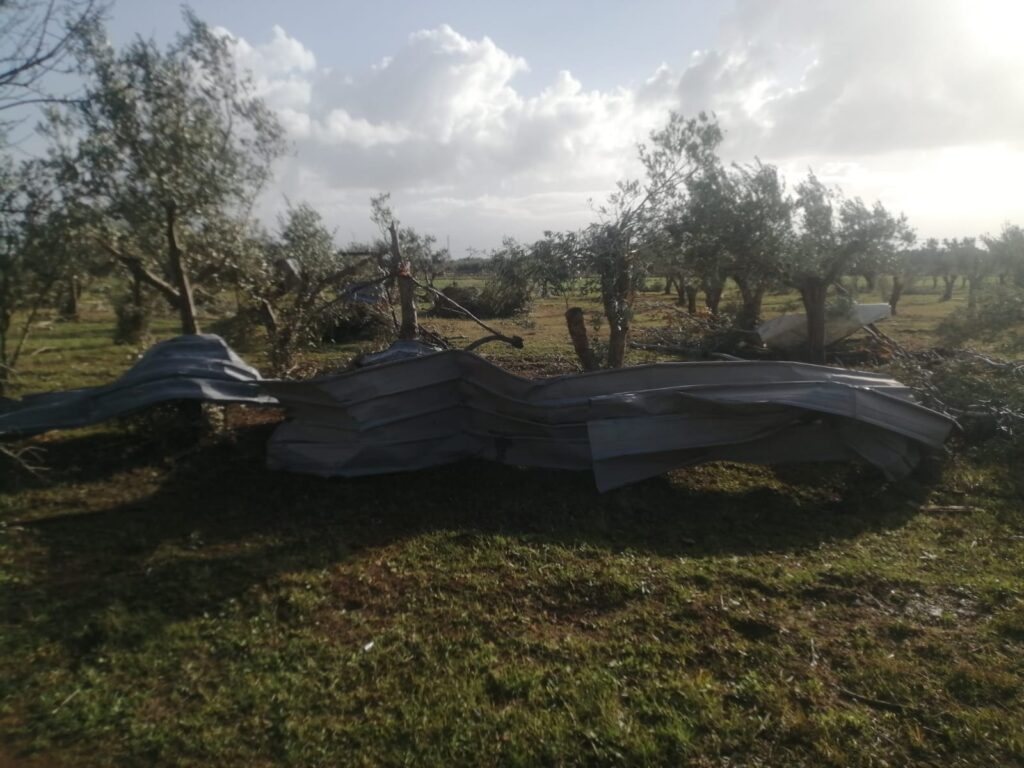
790, 331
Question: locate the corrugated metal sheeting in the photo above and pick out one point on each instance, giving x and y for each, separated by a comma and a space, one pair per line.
199, 367
624, 425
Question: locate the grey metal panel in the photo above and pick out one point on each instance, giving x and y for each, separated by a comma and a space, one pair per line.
624, 424
790, 331
201, 367
424, 410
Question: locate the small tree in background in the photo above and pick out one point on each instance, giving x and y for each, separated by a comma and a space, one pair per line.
947, 266
760, 233
557, 264
909, 264
972, 262
426, 258
1007, 253
834, 236
614, 246
299, 284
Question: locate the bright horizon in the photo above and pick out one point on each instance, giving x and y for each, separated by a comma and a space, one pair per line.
490, 121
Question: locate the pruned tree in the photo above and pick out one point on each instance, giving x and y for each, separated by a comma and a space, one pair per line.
167, 150
300, 283
394, 265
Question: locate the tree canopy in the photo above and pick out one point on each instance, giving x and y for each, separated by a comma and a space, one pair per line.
167, 150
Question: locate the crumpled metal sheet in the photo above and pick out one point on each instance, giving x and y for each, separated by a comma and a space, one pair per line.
427, 409
399, 350
790, 331
201, 367
624, 425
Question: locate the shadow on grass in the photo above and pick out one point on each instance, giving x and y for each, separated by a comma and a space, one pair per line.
221, 524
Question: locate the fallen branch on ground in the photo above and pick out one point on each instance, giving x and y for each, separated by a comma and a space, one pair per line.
25, 458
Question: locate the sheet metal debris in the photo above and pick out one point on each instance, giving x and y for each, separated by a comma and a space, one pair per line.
422, 408
790, 331
624, 425
199, 367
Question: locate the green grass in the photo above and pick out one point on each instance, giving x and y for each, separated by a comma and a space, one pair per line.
170, 603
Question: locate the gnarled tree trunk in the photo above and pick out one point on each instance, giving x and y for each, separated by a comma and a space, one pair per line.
580, 341
752, 298
713, 289
950, 281
691, 292
814, 294
897, 293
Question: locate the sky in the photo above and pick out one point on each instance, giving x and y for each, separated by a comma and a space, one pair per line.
487, 119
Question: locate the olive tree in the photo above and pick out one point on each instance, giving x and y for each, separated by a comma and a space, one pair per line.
834, 236
167, 150
300, 282
972, 262
1008, 253
697, 243
556, 264
616, 246
909, 264
39, 244
760, 233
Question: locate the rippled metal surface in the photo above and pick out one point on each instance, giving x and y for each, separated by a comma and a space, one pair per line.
414, 411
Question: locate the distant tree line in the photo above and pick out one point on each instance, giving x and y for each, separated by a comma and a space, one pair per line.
700, 224
152, 169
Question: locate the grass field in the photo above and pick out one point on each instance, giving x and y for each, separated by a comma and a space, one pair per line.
164, 602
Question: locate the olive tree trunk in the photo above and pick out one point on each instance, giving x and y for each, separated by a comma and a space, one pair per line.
713, 289
580, 341
752, 298
814, 294
950, 281
409, 328
179, 272
896, 294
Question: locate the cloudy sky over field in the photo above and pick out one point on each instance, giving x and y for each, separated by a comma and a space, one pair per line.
485, 119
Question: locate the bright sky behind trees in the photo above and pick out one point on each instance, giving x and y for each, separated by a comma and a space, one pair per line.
487, 119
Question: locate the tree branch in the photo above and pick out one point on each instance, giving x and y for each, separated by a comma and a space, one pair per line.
138, 270
515, 341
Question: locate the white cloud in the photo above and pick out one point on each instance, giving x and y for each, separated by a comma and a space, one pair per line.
916, 102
